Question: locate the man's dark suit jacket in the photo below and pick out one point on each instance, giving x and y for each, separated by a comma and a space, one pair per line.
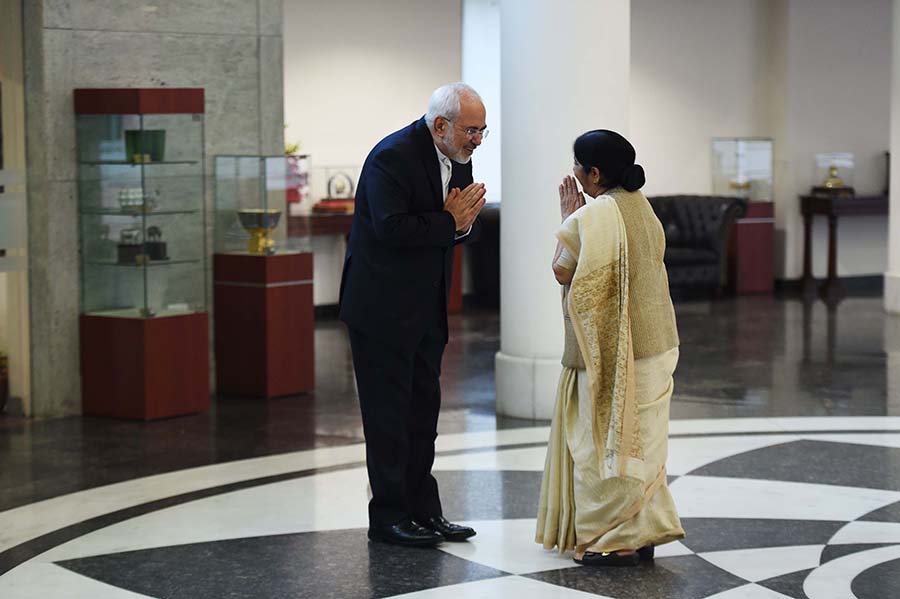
399, 259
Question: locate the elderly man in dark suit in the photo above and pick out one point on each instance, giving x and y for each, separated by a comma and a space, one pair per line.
415, 201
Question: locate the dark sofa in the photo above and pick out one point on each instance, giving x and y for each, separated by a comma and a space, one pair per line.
697, 230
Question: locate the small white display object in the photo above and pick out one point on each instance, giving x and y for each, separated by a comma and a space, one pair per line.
743, 167
833, 170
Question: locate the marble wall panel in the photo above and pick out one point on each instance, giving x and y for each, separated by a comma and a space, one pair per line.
271, 95
174, 16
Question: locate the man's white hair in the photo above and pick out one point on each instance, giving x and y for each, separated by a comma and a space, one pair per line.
445, 102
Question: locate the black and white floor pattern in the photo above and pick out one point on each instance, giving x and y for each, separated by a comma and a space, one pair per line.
802, 508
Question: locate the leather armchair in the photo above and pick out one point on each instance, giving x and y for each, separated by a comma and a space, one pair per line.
697, 230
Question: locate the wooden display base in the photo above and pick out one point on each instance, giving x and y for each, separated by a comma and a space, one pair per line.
264, 324
144, 368
752, 258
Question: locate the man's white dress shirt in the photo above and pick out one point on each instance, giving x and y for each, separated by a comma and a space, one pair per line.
446, 171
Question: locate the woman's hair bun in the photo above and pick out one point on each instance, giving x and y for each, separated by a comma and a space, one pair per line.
633, 177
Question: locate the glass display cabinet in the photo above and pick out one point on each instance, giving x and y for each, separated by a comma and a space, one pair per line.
833, 174
335, 188
252, 197
299, 192
140, 156
140, 199
262, 278
743, 166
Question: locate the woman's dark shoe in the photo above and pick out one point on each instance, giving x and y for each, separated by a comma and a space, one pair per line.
451, 532
406, 532
646, 553
608, 559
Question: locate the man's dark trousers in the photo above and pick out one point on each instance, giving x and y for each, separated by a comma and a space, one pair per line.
395, 385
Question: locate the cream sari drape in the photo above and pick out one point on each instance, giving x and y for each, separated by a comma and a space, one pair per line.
604, 485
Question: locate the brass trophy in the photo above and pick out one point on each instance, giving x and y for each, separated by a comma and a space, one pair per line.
833, 181
260, 222
833, 185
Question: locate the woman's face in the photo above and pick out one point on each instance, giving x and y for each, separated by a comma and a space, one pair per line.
589, 180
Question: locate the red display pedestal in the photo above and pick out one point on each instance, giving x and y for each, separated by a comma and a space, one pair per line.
264, 324
144, 368
752, 259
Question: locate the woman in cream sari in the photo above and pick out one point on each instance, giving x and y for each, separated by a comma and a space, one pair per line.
604, 491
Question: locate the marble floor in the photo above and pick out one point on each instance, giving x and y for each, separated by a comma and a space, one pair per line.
784, 461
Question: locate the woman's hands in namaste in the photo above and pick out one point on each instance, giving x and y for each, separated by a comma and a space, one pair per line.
570, 199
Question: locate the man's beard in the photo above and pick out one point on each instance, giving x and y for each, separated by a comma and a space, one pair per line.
456, 153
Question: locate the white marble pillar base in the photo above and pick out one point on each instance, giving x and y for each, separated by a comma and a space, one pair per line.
892, 292
526, 387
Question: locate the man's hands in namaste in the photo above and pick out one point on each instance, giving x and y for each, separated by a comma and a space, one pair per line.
465, 205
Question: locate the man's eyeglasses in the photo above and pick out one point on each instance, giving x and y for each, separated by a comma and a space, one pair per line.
470, 131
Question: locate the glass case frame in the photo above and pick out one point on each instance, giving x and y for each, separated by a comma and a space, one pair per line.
743, 167
252, 200
141, 198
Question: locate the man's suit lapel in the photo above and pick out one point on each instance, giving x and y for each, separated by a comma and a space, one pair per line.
429, 158
461, 175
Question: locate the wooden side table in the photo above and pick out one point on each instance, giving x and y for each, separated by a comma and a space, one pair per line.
833, 207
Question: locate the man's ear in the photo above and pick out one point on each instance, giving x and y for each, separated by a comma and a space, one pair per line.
595, 175
440, 125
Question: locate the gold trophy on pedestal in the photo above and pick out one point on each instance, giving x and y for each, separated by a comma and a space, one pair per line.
833, 181
260, 222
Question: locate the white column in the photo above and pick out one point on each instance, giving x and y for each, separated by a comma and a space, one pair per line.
892, 276
564, 70
481, 70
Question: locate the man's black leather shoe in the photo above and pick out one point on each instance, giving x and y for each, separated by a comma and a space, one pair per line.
406, 532
451, 532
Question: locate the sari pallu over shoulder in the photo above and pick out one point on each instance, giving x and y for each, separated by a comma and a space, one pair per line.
598, 306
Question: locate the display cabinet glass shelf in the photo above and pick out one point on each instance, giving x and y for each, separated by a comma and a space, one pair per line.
141, 188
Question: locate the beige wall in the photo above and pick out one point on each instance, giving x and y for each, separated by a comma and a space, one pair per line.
697, 71
232, 48
813, 74
836, 81
354, 71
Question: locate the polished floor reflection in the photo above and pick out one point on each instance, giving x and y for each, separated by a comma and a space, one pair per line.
768, 499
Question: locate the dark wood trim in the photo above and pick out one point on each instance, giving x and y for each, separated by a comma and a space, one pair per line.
319, 224
160, 100
247, 268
